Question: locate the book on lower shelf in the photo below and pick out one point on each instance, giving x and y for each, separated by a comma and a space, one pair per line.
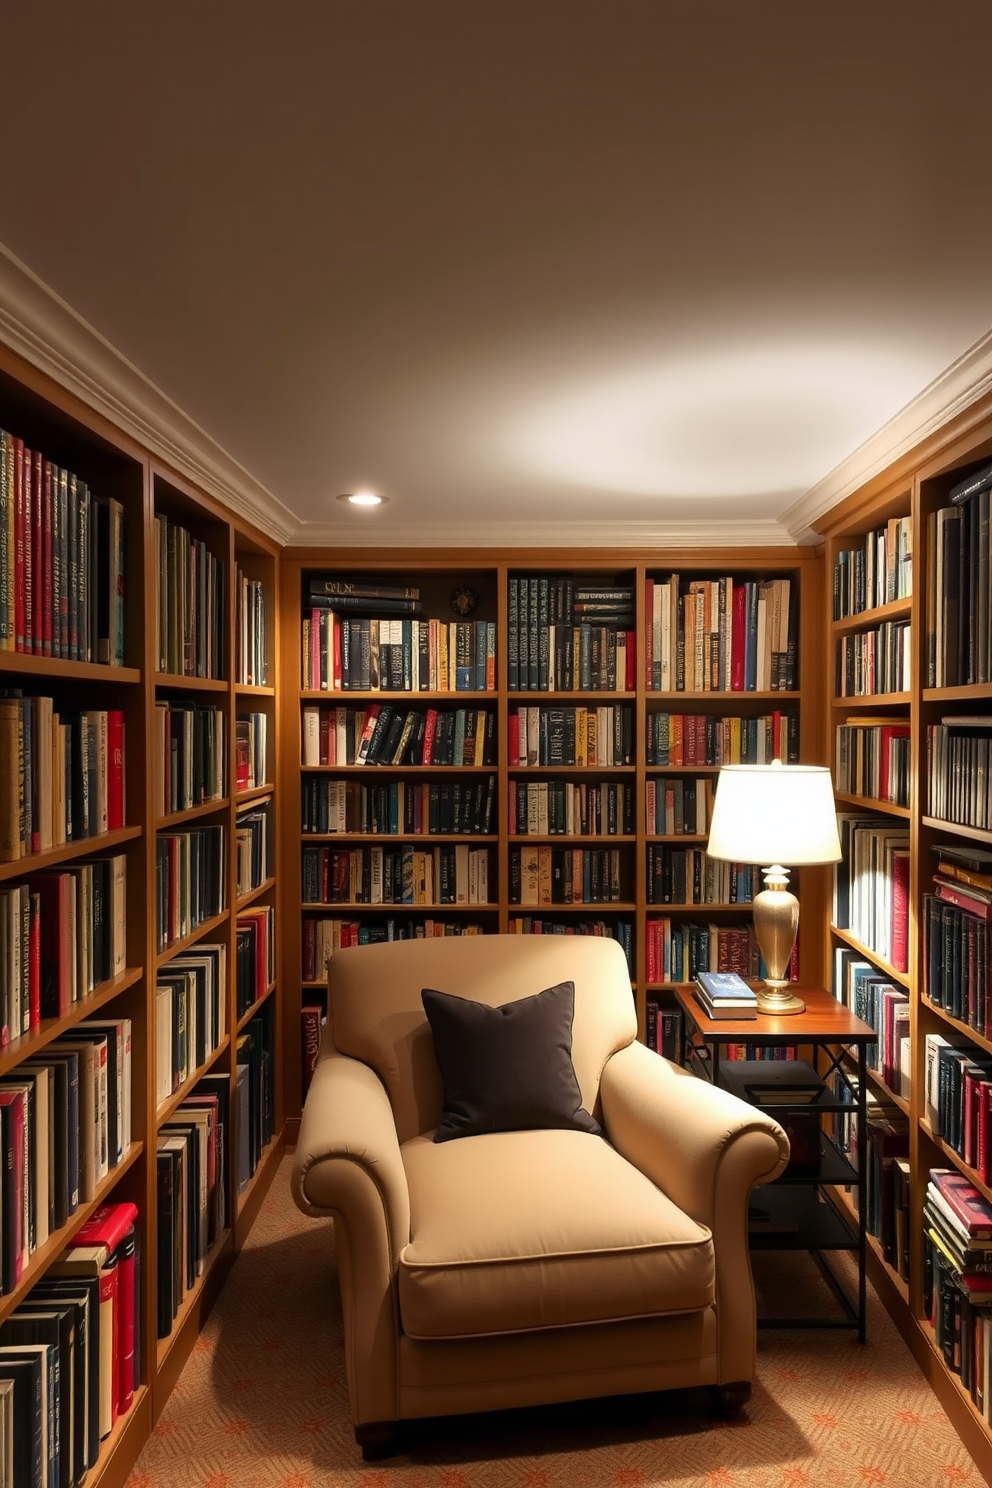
954, 921
958, 1098
543, 875
256, 954
663, 1030
676, 804
579, 736
957, 1280
679, 739
189, 754
250, 631
399, 875
189, 881
253, 848
312, 1018
345, 653
190, 630
877, 572
191, 1185
720, 635
871, 663
255, 1096
958, 631
190, 1014
678, 950
570, 808
871, 885
400, 807
688, 875
250, 751
959, 769
872, 997
872, 758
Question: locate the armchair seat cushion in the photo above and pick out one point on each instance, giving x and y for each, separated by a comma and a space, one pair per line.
517, 1231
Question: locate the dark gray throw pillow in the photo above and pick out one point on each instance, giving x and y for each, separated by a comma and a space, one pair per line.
506, 1068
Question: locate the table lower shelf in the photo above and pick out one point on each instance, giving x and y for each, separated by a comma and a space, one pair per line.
795, 1218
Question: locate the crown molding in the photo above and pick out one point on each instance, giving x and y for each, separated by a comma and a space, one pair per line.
40, 326
603, 534
950, 394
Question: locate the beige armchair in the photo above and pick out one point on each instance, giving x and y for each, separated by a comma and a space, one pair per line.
525, 1267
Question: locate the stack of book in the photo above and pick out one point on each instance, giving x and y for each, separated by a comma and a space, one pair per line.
887, 1181
675, 805
957, 1280
191, 1188
189, 618
323, 936
955, 920
61, 561
709, 739
569, 637
189, 755
63, 777
62, 933
873, 759
958, 630
619, 930
252, 848
190, 1015
383, 735
256, 955
688, 875
959, 755
551, 808
572, 736
958, 1098
458, 807
871, 885
720, 635
342, 653
541, 875
663, 1031
725, 995
876, 661
878, 572
860, 986
250, 634
402, 875
189, 881
250, 741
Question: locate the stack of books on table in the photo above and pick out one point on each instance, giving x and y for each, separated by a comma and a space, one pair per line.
723, 994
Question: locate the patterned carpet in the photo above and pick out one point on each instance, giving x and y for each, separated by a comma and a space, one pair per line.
262, 1404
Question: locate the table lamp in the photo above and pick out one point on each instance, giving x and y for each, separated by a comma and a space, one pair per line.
775, 814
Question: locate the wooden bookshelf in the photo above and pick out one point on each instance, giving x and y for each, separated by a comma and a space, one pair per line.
66, 432
916, 487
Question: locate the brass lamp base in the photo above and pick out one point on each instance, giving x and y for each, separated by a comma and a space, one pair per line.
776, 920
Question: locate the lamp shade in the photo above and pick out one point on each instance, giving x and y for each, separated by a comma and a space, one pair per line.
774, 814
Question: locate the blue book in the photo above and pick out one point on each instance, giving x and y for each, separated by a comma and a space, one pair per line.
721, 986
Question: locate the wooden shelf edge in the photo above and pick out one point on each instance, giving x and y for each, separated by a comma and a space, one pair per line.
253, 793
902, 978
370, 839
873, 700
191, 684
101, 843
260, 1002
895, 609
191, 813
185, 941
254, 689
249, 897
422, 908
249, 1202
20, 662
972, 1033
956, 829
339, 699
121, 1449
175, 1100
53, 1247
869, 803
972, 1174
716, 695
31, 1043
374, 769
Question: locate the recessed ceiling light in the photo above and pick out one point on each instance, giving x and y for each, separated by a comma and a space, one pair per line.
363, 498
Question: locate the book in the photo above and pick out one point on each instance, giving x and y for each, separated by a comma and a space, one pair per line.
734, 1012
721, 986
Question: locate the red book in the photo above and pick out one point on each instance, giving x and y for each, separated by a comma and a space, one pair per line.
967, 899
56, 892
12, 1127
19, 544
27, 470
126, 1303
513, 734
738, 638
34, 966
429, 728
984, 1143
109, 1294
46, 559
631, 659
900, 911
107, 1225
310, 1024
971, 1209
115, 769
335, 678
887, 733
37, 552
242, 765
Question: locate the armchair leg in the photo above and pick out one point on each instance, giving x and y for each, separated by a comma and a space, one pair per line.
730, 1400
378, 1439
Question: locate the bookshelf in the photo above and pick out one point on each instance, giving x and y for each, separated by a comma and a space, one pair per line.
542, 764
117, 471
901, 797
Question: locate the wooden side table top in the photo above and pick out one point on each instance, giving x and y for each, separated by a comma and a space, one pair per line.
825, 1021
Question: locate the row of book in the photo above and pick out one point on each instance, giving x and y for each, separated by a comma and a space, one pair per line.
957, 1280
876, 661
383, 735
568, 637
621, 931
959, 770
189, 615
572, 736
65, 1122
191, 1183
675, 805
61, 935
251, 632
63, 776
456, 807
323, 936
871, 886
342, 653
958, 1097
674, 739
398, 875
563, 875
958, 633
887, 1179
688, 875
878, 572
255, 953
663, 1031
553, 808
190, 1015
873, 759
252, 848
720, 635
250, 751
954, 921
189, 881
255, 1096
872, 997
70, 1355
189, 753
677, 951
61, 561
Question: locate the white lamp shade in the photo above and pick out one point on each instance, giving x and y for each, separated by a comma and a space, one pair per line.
774, 814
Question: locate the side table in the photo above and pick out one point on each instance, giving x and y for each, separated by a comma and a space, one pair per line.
815, 1223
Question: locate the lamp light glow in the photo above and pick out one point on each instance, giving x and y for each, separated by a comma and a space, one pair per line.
362, 498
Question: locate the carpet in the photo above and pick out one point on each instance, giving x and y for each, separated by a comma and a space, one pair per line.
262, 1403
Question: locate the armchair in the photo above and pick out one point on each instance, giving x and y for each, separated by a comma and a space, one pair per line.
525, 1267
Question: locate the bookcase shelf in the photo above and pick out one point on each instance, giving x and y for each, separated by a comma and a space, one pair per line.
873, 700
257, 793
191, 813
251, 689
902, 977
27, 1045
972, 1174
869, 803
896, 609
47, 668
250, 895
218, 1252
256, 1006
168, 1107
177, 682
100, 842
205, 928
957, 1024
956, 829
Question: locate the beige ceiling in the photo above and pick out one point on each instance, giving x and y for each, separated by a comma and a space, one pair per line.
576, 262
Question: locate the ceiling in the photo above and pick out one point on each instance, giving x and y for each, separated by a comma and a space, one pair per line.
612, 263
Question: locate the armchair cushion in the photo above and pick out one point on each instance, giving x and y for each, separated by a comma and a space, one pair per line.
506, 1068
517, 1231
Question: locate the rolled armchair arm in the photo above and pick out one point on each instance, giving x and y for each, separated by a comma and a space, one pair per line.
348, 1165
705, 1149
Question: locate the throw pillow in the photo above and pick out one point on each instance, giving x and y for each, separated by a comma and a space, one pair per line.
506, 1068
